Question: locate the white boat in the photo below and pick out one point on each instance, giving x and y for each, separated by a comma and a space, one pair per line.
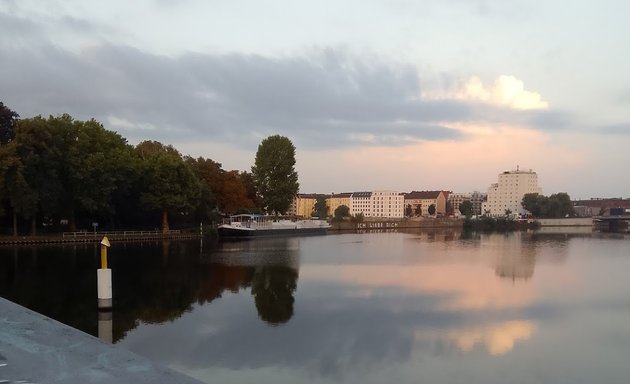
248, 225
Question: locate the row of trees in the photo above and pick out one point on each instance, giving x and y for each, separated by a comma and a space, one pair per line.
57, 170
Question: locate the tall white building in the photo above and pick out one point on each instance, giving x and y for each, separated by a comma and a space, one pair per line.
378, 204
507, 194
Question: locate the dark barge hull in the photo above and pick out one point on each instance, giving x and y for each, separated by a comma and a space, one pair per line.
231, 233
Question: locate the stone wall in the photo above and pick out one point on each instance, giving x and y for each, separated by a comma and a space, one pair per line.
568, 222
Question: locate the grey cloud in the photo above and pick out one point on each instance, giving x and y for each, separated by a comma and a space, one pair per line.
616, 129
326, 99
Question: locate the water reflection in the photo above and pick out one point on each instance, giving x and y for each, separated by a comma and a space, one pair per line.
60, 281
370, 308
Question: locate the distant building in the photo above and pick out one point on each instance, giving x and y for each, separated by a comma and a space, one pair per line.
599, 206
386, 204
305, 203
476, 198
507, 194
424, 199
336, 200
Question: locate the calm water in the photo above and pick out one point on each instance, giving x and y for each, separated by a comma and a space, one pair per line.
352, 308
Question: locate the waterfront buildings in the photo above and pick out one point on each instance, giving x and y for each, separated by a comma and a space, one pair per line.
506, 195
420, 201
386, 204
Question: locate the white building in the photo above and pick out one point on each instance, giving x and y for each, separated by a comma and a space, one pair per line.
386, 204
507, 194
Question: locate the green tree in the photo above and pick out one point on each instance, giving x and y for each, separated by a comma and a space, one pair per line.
170, 183
418, 210
320, 209
94, 165
534, 203
466, 208
562, 205
30, 172
274, 174
358, 217
408, 210
8, 119
341, 212
431, 209
449, 208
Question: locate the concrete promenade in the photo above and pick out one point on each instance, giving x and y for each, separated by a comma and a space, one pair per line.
37, 349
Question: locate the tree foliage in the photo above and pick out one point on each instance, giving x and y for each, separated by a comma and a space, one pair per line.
431, 209
170, 183
274, 174
341, 212
555, 206
408, 210
8, 119
466, 208
320, 209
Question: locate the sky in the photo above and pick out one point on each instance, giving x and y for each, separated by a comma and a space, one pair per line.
375, 95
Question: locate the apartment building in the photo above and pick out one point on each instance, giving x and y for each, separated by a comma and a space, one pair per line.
507, 194
335, 200
304, 204
386, 204
424, 199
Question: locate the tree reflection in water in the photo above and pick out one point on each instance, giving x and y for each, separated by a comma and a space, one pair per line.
152, 282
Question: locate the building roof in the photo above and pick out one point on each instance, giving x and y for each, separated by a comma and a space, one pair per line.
310, 195
415, 195
361, 194
341, 195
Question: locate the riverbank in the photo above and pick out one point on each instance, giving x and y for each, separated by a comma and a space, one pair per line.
95, 237
37, 349
398, 223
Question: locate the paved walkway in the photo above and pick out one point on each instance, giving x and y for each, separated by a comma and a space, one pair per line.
37, 349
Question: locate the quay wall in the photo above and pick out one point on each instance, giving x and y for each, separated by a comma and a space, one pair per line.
393, 224
567, 222
38, 349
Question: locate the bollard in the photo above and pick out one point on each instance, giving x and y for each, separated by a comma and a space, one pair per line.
104, 279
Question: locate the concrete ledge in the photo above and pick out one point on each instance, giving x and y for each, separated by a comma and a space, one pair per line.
37, 349
568, 222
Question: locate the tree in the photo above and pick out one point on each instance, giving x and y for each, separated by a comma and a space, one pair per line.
234, 196
274, 174
418, 210
170, 183
94, 164
449, 208
555, 206
30, 171
431, 209
341, 212
466, 208
408, 210
321, 208
8, 119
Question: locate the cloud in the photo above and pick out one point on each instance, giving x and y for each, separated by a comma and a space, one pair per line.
506, 91
498, 339
327, 98
616, 129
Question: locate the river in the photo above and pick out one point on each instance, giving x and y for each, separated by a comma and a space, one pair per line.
435, 307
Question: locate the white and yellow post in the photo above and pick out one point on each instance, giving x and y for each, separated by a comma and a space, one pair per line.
104, 279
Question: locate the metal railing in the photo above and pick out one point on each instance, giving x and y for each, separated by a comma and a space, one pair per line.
118, 234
